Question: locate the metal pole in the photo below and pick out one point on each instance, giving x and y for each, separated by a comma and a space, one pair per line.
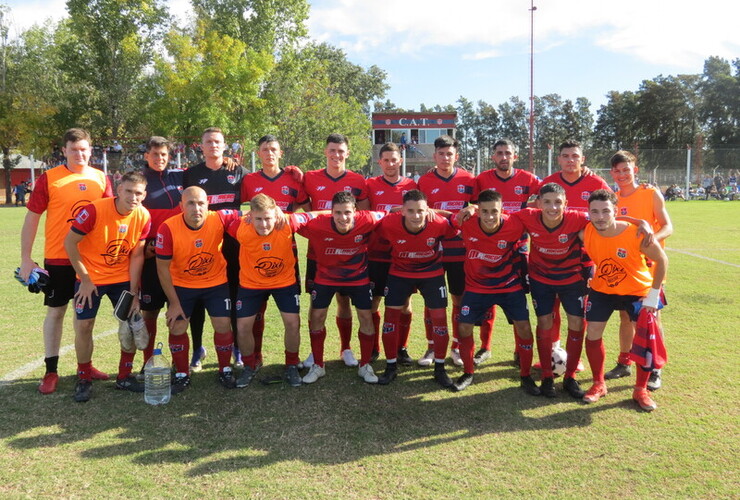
477, 162
688, 171
33, 170
403, 162
105, 162
549, 159
254, 163
531, 87
179, 159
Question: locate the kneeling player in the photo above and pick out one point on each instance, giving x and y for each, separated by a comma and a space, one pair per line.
414, 235
492, 278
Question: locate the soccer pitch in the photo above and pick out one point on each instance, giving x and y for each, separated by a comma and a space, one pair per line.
342, 438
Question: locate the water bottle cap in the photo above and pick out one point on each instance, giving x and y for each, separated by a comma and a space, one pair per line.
158, 350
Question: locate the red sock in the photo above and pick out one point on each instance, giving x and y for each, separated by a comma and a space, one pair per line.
467, 346
317, 345
250, 360
179, 348
291, 358
441, 335
544, 350
555, 332
151, 327
574, 347
345, 332
642, 378
455, 327
428, 329
486, 328
125, 364
258, 330
84, 371
224, 343
624, 358
524, 348
376, 331
404, 329
390, 332
366, 347
596, 353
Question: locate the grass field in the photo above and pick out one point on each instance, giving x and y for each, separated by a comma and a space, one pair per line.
341, 438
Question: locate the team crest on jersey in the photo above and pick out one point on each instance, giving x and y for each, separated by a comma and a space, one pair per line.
83, 187
460, 188
231, 179
563, 238
83, 216
501, 244
284, 190
585, 195
623, 211
465, 310
431, 242
266, 247
123, 228
518, 189
198, 243
621, 253
358, 238
347, 189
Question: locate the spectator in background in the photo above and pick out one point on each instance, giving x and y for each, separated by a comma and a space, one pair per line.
20, 194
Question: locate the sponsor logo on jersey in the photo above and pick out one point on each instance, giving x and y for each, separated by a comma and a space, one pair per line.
269, 266
621, 253
611, 272
198, 243
199, 264
450, 205
465, 310
416, 255
486, 257
220, 198
266, 247
341, 251
563, 238
83, 187
123, 228
116, 252
325, 205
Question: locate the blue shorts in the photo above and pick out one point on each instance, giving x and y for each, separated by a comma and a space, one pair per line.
361, 295
600, 306
215, 299
249, 300
572, 296
474, 305
152, 297
378, 273
434, 291
113, 292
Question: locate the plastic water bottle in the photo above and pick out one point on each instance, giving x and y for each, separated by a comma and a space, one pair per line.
157, 378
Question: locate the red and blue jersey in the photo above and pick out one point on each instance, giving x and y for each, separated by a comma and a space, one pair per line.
515, 190
341, 258
452, 194
578, 192
163, 195
287, 192
320, 187
492, 260
555, 254
385, 196
416, 255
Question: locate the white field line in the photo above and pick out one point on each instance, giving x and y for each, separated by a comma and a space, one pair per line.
24, 370
703, 257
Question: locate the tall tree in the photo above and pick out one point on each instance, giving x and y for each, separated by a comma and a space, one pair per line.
720, 106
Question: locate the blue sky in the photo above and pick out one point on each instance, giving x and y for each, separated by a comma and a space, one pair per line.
435, 51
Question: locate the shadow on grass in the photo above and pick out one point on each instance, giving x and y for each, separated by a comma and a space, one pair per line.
337, 420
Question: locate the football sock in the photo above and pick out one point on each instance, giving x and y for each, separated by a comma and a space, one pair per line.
291, 358
596, 353
441, 335
249, 360
84, 371
524, 348
544, 351
151, 327
390, 332
317, 345
486, 328
179, 348
126, 364
455, 327
367, 342
345, 332
224, 343
574, 347
258, 330
624, 358
467, 346
404, 329
51, 364
642, 378
376, 331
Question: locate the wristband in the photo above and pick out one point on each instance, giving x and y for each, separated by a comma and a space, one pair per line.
652, 299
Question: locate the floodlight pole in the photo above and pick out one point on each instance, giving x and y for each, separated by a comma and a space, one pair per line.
531, 87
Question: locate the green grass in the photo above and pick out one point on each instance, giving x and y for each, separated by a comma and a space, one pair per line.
341, 438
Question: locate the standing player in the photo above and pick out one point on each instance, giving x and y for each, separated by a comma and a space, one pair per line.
449, 188
516, 187
321, 185
285, 186
106, 248
386, 192
223, 186
192, 269
414, 235
61, 192
340, 244
641, 201
492, 277
621, 278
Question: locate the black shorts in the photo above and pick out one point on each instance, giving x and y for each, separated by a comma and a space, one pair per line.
250, 300
152, 295
572, 296
361, 296
112, 291
434, 291
600, 306
215, 299
310, 274
455, 272
378, 272
474, 306
61, 287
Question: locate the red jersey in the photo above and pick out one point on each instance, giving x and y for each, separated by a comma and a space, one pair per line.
515, 191
197, 261
320, 187
383, 197
286, 191
416, 255
554, 253
109, 239
451, 194
492, 259
341, 259
577, 193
